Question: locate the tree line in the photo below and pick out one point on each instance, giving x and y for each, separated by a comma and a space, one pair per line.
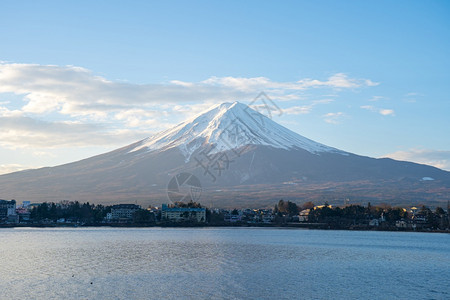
70, 210
341, 217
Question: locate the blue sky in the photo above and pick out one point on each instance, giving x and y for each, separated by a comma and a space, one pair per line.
79, 78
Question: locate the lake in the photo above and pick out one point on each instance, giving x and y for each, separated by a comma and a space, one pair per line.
222, 263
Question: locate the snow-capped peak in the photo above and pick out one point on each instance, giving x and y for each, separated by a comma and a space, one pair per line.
230, 126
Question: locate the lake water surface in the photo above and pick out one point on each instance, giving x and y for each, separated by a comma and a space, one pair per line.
222, 263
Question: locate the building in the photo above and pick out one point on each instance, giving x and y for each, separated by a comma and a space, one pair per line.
179, 214
401, 224
8, 211
304, 215
232, 218
122, 212
23, 214
374, 222
267, 218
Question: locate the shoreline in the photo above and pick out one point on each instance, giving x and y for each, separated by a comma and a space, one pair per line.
312, 226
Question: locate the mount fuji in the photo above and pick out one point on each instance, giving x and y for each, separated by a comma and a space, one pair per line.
230, 126
241, 159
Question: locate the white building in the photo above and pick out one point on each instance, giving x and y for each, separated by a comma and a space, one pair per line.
122, 212
179, 214
8, 211
401, 224
303, 216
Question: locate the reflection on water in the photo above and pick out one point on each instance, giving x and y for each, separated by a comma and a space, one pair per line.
221, 263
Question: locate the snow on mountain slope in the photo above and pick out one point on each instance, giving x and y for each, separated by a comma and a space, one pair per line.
230, 126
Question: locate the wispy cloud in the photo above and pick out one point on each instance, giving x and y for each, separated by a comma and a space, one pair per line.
412, 97
437, 158
305, 109
5, 112
368, 107
413, 94
337, 81
298, 110
25, 132
381, 111
333, 117
377, 98
386, 112
9, 168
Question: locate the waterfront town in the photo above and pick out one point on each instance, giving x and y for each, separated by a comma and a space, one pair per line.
284, 213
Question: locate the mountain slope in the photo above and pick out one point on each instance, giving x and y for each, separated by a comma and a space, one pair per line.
241, 159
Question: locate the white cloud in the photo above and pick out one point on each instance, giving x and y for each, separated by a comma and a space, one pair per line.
5, 112
81, 108
298, 110
377, 98
368, 107
9, 168
386, 112
412, 97
339, 80
42, 154
333, 117
381, 111
182, 83
304, 109
413, 94
25, 132
138, 117
77, 91
437, 158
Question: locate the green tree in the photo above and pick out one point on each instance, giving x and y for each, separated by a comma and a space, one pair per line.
307, 205
288, 207
292, 208
142, 216
439, 211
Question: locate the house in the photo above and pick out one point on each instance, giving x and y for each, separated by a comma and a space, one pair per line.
401, 224
268, 218
419, 218
304, 215
374, 222
232, 218
24, 214
295, 218
8, 211
122, 212
179, 214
